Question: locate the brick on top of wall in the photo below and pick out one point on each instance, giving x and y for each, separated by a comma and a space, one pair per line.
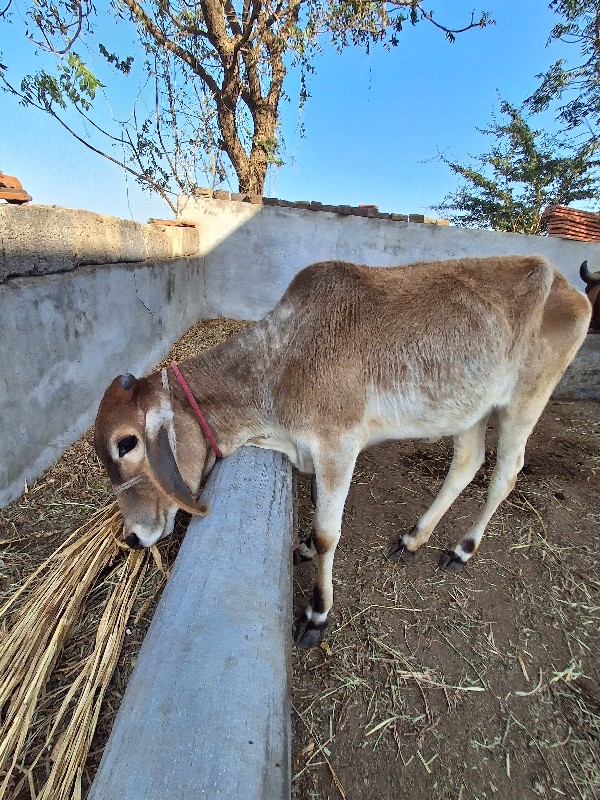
572, 223
366, 210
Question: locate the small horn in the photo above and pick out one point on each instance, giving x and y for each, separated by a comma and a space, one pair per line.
127, 381
165, 474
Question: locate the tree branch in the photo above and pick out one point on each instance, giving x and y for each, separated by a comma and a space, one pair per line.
142, 177
232, 18
172, 163
212, 11
185, 28
451, 33
193, 63
70, 43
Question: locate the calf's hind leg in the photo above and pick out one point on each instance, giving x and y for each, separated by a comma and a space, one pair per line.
563, 328
469, 455
515, 424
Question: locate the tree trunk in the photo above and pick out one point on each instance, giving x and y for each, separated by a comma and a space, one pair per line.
251, 168
253, 181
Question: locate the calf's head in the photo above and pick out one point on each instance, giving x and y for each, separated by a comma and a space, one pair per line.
134, 438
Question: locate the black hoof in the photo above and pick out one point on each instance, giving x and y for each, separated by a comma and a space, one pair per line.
307, 633
400, 552
310, 638
451, 562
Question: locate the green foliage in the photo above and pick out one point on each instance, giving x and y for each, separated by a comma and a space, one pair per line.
74, 82
123, 66
363, 23
525, 171
576, 89
271, 150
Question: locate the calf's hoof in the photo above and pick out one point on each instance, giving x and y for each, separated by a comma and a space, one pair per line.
310, 638
451, 562
400, 552
307, 633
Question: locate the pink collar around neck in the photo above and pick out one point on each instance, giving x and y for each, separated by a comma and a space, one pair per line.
203, 423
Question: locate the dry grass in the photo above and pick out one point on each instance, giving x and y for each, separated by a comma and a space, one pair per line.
70, 752
34, 637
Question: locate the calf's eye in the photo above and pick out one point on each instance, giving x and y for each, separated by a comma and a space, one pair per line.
126, 445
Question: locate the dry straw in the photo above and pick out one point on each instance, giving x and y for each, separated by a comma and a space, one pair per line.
70, 753
33, 637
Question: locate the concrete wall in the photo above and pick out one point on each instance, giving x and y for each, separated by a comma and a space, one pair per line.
251, 252
581, 380
37, 240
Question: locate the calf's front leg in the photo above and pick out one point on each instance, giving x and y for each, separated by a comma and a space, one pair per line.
333, 476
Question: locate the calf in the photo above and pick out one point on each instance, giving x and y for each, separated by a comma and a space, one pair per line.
351, 356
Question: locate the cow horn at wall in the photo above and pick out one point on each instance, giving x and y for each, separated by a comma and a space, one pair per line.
590, 278
164, 473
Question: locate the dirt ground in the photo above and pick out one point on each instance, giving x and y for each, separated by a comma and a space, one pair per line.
477, 685
427, 685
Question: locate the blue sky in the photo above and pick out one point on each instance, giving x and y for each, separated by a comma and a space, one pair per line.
373, 127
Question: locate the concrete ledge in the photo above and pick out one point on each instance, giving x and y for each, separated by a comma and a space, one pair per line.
39, 240
207, 710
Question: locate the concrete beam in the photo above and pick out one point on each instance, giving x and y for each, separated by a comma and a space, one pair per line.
206, 713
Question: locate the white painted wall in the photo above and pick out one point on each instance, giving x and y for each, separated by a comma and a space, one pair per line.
251, 252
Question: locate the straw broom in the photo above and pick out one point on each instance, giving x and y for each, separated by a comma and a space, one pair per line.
56, 593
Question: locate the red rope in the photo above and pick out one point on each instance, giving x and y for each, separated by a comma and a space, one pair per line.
203, 423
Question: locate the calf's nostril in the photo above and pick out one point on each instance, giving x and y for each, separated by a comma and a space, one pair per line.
133, 541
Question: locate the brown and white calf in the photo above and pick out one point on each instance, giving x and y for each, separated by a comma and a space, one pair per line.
349, 357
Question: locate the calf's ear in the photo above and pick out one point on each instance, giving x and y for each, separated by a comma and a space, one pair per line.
164, 473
